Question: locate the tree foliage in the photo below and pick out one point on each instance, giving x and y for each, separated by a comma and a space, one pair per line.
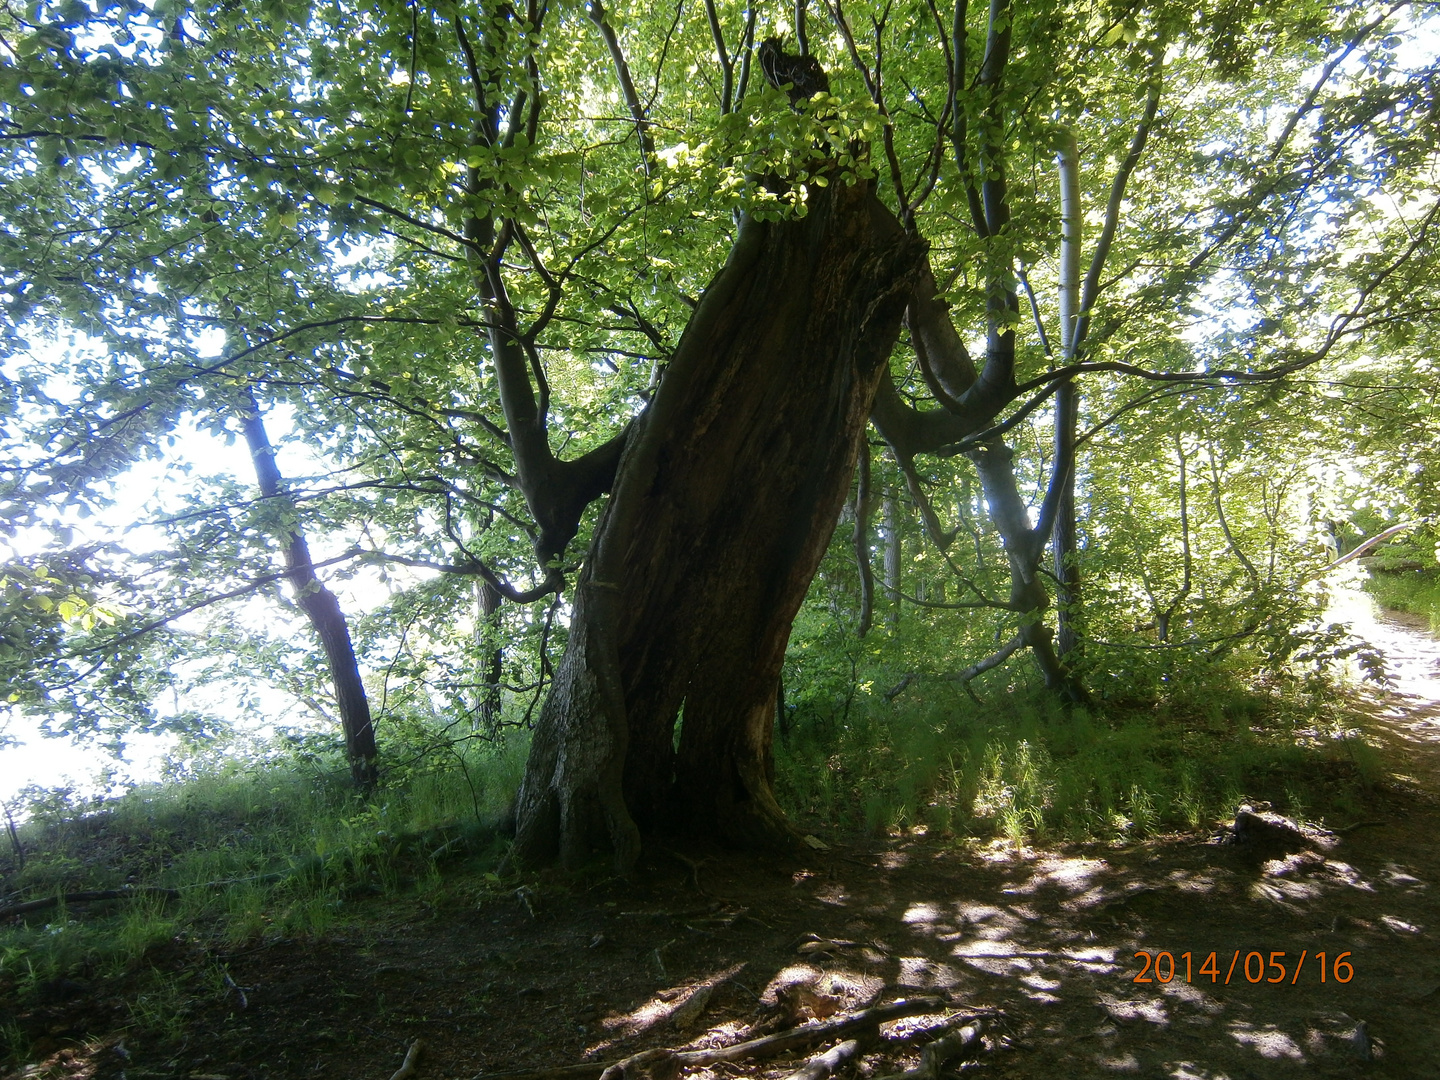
451, 252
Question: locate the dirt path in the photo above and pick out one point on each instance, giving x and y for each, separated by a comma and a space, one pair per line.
555, 973
1410, 716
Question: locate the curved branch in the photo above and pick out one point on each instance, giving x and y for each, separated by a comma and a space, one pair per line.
595, 12
474, 567
965, 677
938, 536
722, 54
1074, 337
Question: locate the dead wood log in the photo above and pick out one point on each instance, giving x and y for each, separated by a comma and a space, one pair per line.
813, 943
1264, 828
934, 1056
798, 1038
87, 897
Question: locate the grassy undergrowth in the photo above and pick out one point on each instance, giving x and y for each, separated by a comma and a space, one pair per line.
283, 847
1413, 591
1024, 768
276, 848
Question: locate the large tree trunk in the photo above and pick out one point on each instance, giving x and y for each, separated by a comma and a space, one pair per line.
725, 499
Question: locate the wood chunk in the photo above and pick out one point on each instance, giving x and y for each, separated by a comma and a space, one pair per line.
1265, 828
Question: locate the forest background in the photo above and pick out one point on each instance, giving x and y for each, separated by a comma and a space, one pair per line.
751, 418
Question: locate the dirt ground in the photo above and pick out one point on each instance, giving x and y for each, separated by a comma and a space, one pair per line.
1042, 943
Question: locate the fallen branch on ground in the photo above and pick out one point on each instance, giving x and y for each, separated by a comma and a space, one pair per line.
934, 1056
799, 1038
87, 897
1359, 825
411, 1057
828, 1063
407, 1067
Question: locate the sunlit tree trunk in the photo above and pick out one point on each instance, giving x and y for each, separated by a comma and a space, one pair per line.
1064, 540
891, 513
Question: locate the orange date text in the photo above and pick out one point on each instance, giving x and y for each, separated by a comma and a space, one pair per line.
1252, 967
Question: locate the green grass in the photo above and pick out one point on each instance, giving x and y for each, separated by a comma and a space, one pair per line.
284, 848
1028, 770
280, 848
1413, 591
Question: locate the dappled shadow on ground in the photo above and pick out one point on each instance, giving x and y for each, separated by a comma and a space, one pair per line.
1232, 942
1409, 710
1044, 942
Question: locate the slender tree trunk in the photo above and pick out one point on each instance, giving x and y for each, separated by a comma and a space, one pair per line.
727, 494
1023, 548
864, 507
489, 640
782, 714
319, 604
1064, 536
891, 512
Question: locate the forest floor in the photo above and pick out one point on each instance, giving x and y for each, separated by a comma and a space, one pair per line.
1041, 943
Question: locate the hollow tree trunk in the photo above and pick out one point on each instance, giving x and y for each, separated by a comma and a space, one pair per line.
726, 496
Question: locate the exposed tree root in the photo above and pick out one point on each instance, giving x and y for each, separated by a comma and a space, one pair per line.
663, 1061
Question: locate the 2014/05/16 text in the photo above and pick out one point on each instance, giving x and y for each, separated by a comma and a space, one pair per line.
1162, 967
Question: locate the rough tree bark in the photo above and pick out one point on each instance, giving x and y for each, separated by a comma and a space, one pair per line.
726, 496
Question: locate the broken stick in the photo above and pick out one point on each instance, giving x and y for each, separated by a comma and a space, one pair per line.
407, 1067
828, 1063
934, 1056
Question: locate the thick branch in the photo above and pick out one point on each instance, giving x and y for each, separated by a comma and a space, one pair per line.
1002, 306
722, 54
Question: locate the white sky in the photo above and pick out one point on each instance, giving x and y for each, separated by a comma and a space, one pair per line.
144, 493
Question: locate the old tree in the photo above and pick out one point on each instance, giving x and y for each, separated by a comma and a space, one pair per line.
594, 308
